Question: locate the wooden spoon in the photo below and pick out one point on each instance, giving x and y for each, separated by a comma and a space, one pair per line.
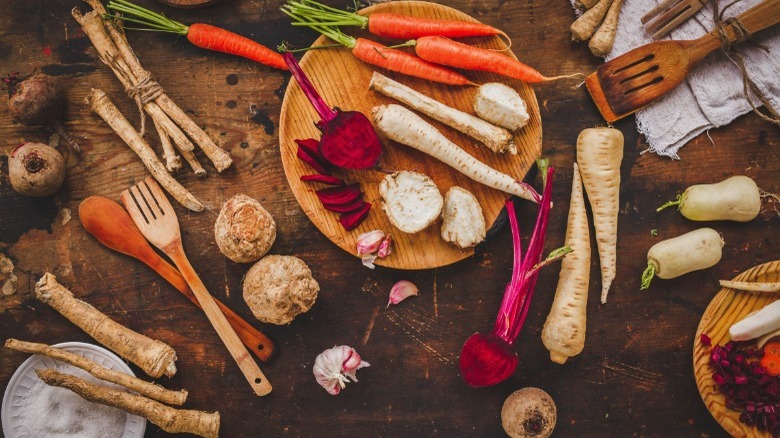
112, 226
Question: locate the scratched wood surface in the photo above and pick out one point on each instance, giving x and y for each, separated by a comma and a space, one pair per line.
635, 376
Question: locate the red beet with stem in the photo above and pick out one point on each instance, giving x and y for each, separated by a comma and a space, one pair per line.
348, 137
488, 359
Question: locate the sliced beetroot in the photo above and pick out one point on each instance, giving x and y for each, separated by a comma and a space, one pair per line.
353, 219
325, 179
349, 141
304, 156
346, 208
344, 195
312, 146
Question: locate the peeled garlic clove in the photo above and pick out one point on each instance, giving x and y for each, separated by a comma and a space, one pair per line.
334, 365
368, 243
368, 260
386, 247
401, 291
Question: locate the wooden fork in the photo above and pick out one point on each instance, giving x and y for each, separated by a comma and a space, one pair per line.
634, 79
669, 14
153, 214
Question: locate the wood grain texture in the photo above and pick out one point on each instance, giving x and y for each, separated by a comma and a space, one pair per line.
728, 307
343, 82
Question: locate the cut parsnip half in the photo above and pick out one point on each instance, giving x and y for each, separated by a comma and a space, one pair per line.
501, 105
463, 222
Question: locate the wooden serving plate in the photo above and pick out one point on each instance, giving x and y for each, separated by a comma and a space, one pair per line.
343, 81
727, 307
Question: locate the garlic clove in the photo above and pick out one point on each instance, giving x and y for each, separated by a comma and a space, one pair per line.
368, 260
401, 291
386, 247
369, 242
334, 365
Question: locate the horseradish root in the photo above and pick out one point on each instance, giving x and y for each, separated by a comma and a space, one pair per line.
462, 220
147, 389
153, 357
501, 105
692, 251
102, 106
733, 199
168, 419
36, 169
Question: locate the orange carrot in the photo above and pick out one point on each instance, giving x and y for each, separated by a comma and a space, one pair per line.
202, 35
445, 51
221, 40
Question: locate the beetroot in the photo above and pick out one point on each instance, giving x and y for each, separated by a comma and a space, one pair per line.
339, 195
325, 179
348, 137
353, 219
312, 147
304, 156
486, 360
345, 208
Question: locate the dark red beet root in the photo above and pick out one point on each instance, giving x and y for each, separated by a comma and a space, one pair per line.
304, 156
312, 146
351, 220
333, 196
325, 179
346, 208
486, 360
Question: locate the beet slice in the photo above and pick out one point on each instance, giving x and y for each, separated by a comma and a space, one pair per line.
333, 196
312, 146
304, 156
353, 219
325, 179
346, 208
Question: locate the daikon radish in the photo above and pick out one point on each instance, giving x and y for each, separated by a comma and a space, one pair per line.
733, 199
692, 251
599, 153
564, 331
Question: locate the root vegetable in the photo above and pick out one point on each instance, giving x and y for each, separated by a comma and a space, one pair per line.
587, 4
352, 219
501, 105
39, 100
462, 220
601, 42
168, 419
411, 200
103, 107
756, 324
36, 169
495, 138
324, 179
599, 154
146, 389
564, 330
529, 413
693, 251
737, 198
403, 126
153, 357
584, 27
279, 288
751, 286
244, 230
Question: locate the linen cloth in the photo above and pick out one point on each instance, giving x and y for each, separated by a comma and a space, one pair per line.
713, 94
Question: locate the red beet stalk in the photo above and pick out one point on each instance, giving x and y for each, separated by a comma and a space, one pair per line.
348, 137
486, 360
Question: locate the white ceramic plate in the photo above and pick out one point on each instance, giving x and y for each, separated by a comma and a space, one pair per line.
24, 378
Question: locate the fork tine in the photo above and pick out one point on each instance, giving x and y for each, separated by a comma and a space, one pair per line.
658, 10
151, 211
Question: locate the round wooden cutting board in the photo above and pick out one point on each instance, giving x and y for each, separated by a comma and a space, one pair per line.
343, 82
728, 307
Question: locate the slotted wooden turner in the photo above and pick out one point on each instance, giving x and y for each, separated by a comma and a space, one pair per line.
153, 214
629, 82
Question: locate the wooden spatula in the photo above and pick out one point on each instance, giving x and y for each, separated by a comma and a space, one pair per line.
629, 82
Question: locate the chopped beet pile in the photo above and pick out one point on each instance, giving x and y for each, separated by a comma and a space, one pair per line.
747, 386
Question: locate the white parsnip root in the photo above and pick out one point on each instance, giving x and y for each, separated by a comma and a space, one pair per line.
403, 126
169, 419
496, 138
132, 383
756, 324
601, 42
584, 27
501, 105
102, 106
599, 154
751, 286
564, 330
155, 358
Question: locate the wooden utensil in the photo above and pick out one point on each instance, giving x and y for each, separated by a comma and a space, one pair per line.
153, 214
660, 20
629, 82
111, 225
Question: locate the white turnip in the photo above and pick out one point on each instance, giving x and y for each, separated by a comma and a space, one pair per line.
693, 251
734, 199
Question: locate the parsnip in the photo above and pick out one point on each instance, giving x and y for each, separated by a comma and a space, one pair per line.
584, 27
692, 251
733, 199
757, 323
601, 42
501, 105
751, 286
402, 125
564, 331
599, 154
495, 138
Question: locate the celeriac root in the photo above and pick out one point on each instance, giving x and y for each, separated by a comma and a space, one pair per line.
169, 419
601, 42
586, 25
155, 358
132, 383
102, 106
751, 286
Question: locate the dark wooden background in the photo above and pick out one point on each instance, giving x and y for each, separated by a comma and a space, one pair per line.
634, 377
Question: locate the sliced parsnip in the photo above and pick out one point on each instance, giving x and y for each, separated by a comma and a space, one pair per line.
599, 154
501, 105
462, 220
411, 200
757, 323
564, 331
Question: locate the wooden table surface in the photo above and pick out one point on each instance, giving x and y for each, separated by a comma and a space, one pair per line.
634, 377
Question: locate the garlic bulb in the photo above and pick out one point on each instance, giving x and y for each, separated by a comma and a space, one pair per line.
334, 365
